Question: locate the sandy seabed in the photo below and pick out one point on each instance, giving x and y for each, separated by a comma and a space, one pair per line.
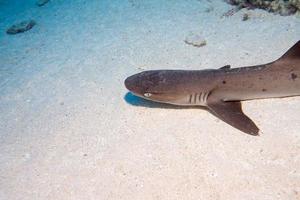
69, 130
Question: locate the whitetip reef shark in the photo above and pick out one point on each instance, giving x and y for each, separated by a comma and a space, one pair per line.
222, 90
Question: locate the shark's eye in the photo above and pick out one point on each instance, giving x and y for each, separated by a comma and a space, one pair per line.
147, 94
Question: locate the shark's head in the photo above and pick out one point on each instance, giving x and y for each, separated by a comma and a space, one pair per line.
156, 85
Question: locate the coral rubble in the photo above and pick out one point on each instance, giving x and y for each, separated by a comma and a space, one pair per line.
195, 40
282, 7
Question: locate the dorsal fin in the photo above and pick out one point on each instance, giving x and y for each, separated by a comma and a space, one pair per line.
225, 67
292, 53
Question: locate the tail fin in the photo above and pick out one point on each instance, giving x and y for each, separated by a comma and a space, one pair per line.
293, 53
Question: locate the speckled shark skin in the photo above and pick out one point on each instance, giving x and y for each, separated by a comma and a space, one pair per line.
221, 90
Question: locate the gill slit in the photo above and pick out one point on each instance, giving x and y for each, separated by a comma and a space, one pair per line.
190, 99
205, 96
198, 97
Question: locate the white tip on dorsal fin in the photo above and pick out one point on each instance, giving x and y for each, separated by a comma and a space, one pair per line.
292, 53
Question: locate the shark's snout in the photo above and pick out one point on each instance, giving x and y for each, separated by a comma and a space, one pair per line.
132, 84
129, 83
142, 82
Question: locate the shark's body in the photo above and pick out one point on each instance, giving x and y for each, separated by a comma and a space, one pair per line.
221, 90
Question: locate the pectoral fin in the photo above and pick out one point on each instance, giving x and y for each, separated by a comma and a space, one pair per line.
231, 113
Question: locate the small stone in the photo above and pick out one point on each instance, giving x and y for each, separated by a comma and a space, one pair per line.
245, 17
21, 27
195, 40
209, 9
42, 2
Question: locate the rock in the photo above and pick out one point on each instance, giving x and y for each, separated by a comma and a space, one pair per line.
21, 27
42, 2
195, 39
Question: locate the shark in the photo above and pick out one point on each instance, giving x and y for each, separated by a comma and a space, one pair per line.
222, 90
